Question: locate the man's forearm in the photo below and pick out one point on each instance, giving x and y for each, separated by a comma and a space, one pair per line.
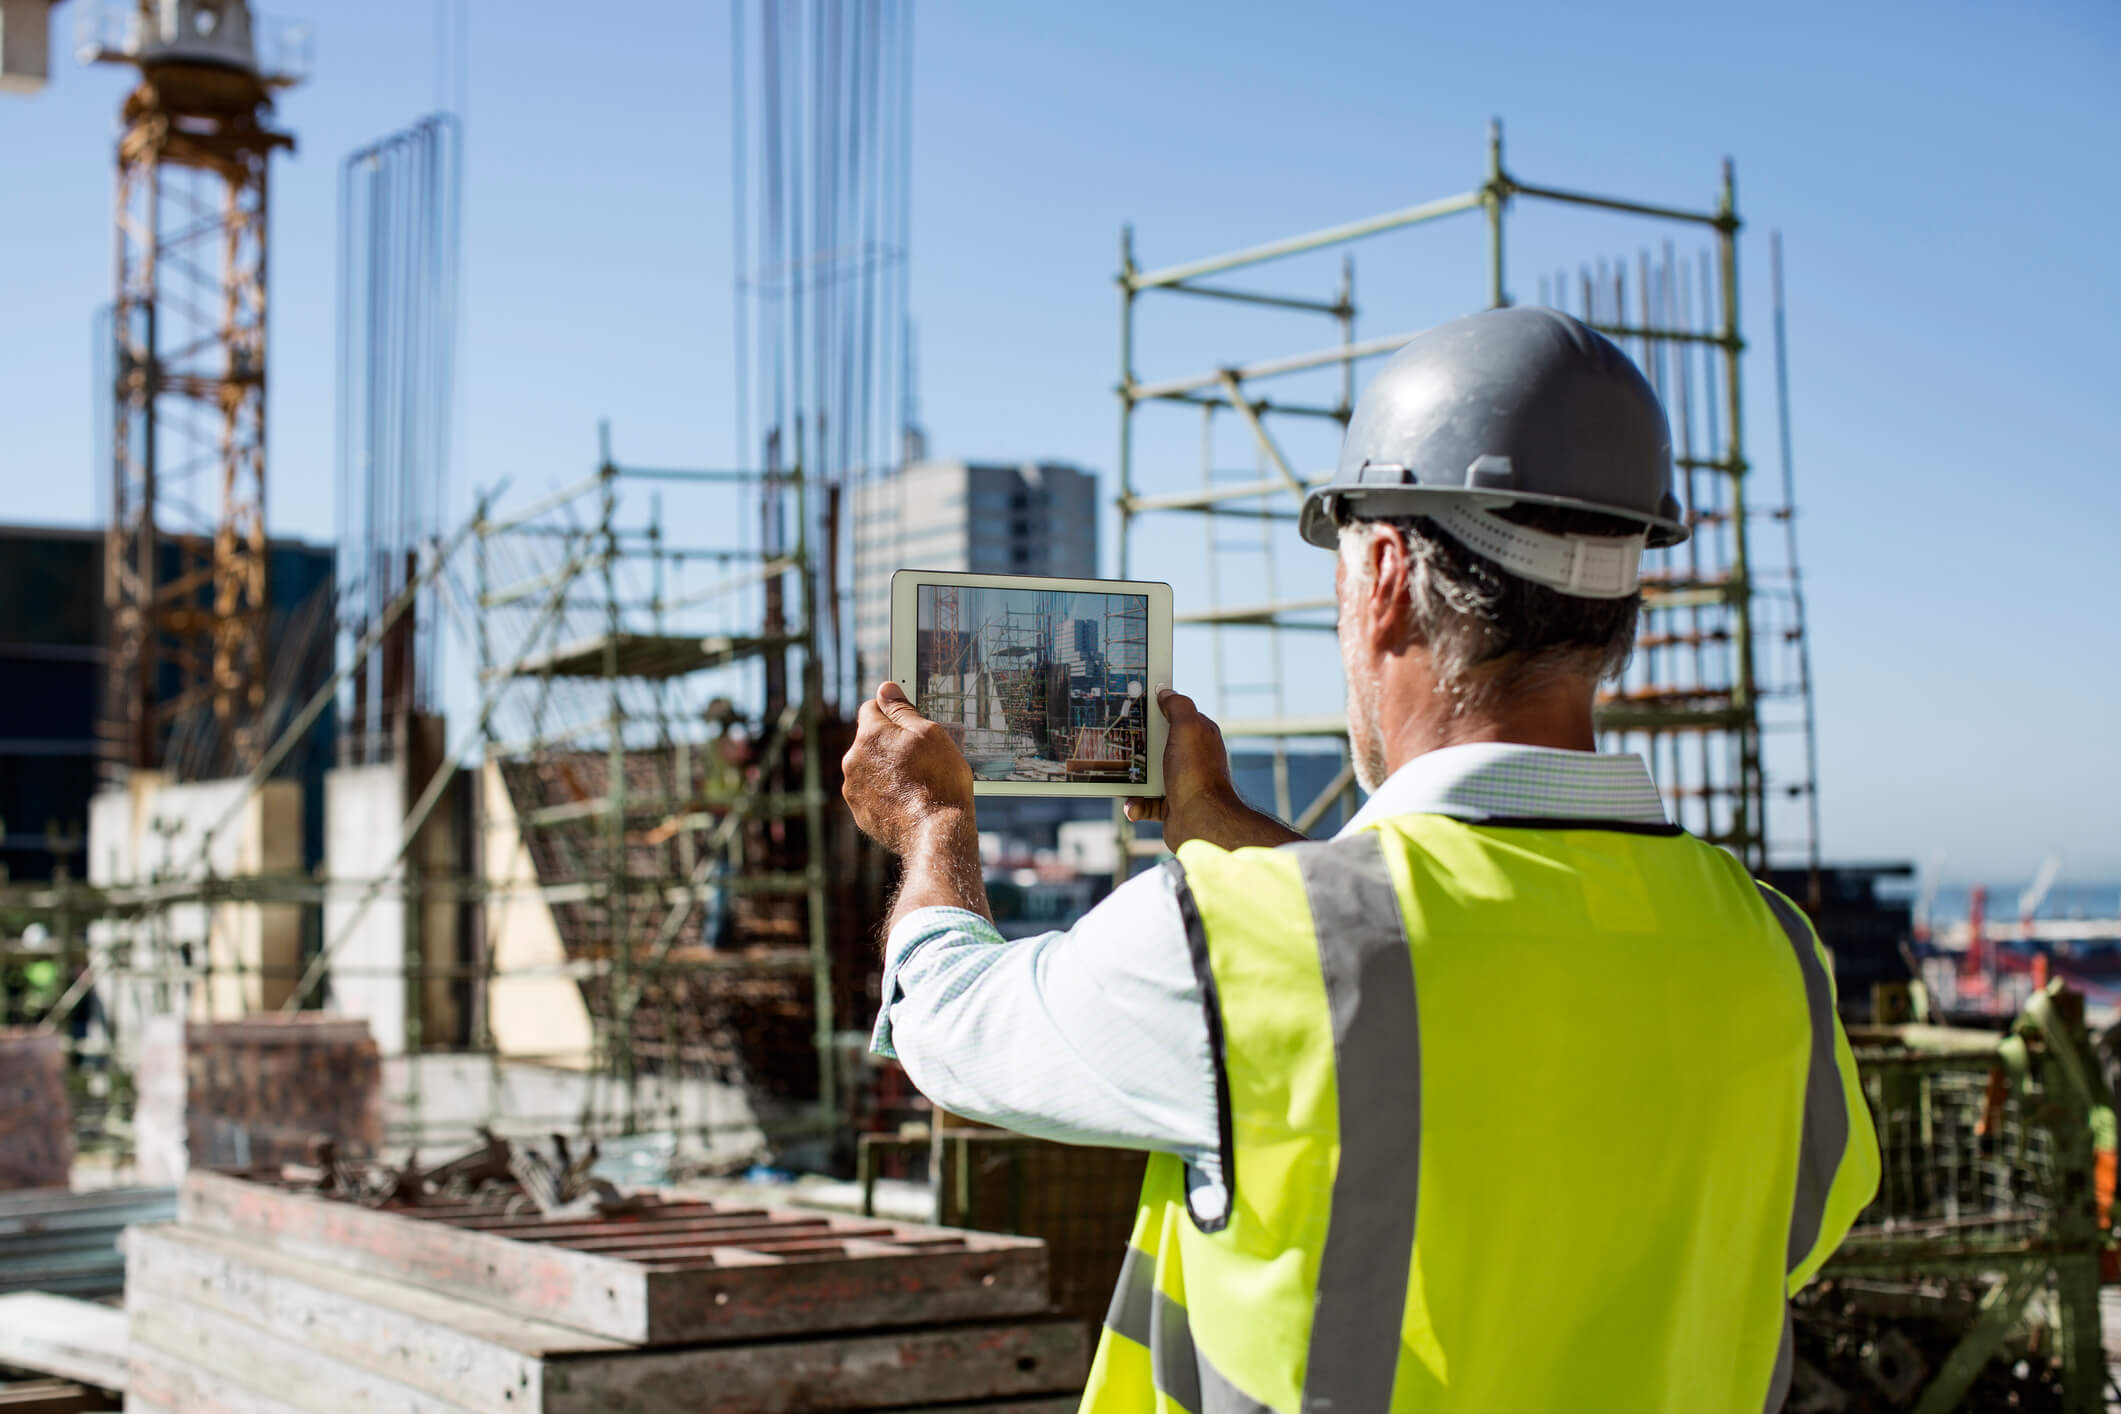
940, 869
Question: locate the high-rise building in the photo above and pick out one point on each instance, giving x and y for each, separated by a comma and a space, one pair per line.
1034, 518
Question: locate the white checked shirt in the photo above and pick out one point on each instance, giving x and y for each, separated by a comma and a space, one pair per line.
1098, 1035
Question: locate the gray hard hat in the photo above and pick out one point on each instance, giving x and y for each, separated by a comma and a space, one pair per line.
1505, 407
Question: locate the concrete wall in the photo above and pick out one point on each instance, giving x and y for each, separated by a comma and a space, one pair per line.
533, 1008
378, 949
151, 830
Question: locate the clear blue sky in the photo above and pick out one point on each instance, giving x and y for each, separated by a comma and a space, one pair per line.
1944, 175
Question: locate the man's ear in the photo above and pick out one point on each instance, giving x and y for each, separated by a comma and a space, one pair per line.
1388, 606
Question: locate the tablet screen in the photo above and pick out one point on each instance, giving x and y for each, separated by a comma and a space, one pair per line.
1037, 685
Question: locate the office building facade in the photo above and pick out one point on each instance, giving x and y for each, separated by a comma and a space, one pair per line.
982, 518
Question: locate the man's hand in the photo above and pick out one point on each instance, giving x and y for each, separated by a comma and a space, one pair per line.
910, 790
1199, 800
903, 774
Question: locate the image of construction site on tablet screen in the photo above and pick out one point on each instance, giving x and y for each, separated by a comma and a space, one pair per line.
1043, 686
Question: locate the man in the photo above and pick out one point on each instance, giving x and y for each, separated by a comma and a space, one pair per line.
1512, 1097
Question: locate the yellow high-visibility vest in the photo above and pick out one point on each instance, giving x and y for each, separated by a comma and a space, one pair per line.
1517, 1116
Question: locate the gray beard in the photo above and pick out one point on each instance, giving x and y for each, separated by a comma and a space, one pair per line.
1366, 750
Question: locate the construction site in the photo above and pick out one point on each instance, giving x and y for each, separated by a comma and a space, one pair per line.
1037, 685
456, 990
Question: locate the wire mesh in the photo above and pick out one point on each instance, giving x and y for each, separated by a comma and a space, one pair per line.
1963, 1154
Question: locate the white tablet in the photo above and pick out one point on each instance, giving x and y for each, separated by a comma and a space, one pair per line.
1048, 685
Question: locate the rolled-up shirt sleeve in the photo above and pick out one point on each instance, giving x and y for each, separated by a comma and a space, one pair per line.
1095, 1035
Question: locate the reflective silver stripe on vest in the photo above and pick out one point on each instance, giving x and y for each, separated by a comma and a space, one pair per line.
1362, 1271
1826, 1119
1149, 1318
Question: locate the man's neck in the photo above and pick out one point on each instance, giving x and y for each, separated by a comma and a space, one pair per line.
1415, 719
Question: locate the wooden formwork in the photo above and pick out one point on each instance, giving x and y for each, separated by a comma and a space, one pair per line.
36, 1119
264, 1300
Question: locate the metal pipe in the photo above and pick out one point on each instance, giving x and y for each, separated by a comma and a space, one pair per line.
1260, 433
1314, 812
1644, 331
1195, 500
657, 473
1311, 306
1796, 587
1261, 615
733, 582
416, 818
1493, 195
1265, 405
543, 506
1296, 245
1749, 804
1606, 203
1274, 367
1122, 828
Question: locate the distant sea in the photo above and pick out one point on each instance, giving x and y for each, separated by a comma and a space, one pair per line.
2064, 900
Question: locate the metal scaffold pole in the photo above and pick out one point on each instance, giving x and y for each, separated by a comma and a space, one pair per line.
1697, 672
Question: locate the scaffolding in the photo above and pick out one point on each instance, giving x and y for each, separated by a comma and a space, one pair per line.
676, 823
1720, 658
679, 839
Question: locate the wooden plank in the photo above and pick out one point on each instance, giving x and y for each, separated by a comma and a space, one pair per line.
688, 1302
723, 1294
491, 1362
286, 1373
550, 1283
163, 1384
57, 1335
485, 1359
53, 1397
870, 1370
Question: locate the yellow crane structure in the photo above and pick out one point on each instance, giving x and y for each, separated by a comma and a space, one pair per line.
185, 560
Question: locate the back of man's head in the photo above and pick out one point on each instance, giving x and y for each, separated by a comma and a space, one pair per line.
1488, 632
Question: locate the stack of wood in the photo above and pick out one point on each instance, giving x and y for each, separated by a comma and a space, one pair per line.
257, 1091
72, 1352
265, 1298
36, 1119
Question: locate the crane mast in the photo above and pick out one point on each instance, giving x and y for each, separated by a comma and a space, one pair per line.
185, 560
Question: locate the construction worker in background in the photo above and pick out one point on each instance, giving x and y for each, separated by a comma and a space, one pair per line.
1510, 1097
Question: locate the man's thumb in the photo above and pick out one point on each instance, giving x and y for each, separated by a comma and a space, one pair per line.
892, 699
1177, 707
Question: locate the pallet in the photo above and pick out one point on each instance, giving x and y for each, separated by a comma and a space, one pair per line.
669, 1273
223, 1324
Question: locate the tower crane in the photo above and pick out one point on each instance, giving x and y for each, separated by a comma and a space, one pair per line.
185, 556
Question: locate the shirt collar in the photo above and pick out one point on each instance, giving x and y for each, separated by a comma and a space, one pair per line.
1508, 780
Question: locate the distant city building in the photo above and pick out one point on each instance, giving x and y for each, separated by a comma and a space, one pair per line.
1034, 518
52, 640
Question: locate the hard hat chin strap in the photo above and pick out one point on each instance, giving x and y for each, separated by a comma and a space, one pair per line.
1588, 566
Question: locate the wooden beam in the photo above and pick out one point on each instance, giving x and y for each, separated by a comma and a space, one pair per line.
57, 1335
234, 1316
701, 1292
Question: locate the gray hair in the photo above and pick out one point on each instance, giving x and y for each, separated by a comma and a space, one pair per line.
1490, 633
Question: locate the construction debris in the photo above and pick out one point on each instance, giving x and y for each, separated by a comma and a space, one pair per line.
36, 1121
260, 1091
511, 1179
270, 1296
56, 1241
